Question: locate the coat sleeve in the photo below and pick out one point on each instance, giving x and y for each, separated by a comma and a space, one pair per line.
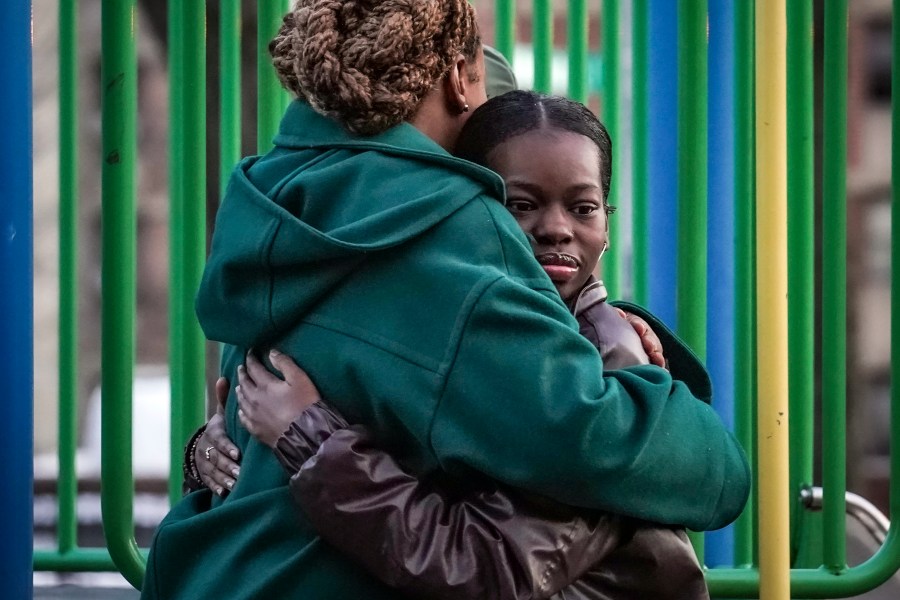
485, 542
523, 404
683, 364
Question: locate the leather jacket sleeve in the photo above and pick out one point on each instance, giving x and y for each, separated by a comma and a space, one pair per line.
487, 542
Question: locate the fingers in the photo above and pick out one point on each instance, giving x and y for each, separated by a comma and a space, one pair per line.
260, 376
217, 471
244, 405
640, 326
218, 436
657, 358
221, 393
251, 372
244, 380
284, 363
649, 340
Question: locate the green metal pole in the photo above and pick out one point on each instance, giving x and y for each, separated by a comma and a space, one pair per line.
834, 284
67, 484
801, 249
269, 100
692, 150
542, 35
188, 220
505, 28
119, 122
692, 182
640, 173
177, 172
610, 112
79, 560
230, 85
578, 50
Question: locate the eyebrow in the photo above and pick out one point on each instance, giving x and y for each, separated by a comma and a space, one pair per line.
536, 189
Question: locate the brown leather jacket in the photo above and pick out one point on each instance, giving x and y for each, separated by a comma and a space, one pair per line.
485, 541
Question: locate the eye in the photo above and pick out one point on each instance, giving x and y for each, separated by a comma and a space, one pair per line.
585, 209
519, 205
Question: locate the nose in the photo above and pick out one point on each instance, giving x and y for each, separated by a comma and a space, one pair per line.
553, 226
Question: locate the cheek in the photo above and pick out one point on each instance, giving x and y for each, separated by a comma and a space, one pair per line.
592, 241
527, 222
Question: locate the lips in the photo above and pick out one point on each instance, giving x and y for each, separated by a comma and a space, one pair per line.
557, 259
560, 267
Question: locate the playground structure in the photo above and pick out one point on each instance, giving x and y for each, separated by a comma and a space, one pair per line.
747, 142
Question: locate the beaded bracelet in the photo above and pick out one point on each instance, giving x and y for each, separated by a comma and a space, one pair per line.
190, 471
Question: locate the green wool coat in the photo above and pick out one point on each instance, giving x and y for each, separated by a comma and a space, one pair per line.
395, 277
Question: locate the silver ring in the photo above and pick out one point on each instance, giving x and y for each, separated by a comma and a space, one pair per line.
206, 452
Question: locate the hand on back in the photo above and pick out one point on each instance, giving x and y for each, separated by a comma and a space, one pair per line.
267, 407
267, 404
649, 340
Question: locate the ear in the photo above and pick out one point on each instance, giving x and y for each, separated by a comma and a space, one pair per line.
456, 85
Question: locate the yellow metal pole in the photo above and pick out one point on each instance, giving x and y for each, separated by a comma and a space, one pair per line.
771, 293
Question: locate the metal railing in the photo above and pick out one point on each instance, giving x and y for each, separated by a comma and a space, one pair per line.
772, 129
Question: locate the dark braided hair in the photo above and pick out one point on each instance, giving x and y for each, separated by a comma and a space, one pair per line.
514, 113
369, 63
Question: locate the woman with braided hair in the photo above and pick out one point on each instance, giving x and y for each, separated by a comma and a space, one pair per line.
389, 270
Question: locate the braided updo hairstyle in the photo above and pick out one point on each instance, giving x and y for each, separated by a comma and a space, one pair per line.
369, 63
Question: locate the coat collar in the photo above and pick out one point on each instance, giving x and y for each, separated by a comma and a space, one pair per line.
302, 128
593, 292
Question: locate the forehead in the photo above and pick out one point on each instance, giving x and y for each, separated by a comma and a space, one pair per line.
547, 152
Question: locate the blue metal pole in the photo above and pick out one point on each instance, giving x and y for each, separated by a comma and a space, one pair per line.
720, 235
662, 156
16, 316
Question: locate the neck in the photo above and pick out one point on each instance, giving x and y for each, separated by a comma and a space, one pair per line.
433, 119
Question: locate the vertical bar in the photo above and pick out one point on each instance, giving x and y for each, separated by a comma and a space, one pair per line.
895, 271
542, 39
118, 75
505, 28
640, 172
269, 105
662, 159
16, 259
771, 251
610, 112
578, 50
834, 282
720, 233
692, 155
230, 85
189, 222
177, 172
692, 150
67, 483
801, 247
744, 285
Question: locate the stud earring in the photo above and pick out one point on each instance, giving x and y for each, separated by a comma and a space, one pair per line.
465, 108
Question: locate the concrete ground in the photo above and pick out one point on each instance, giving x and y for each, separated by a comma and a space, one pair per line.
77, 592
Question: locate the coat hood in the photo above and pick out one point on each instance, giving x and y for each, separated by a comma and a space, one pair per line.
297, 221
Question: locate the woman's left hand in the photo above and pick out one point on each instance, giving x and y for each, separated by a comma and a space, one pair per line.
268, 405
649, 340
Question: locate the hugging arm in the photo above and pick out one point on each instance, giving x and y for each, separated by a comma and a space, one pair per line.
625, 442
485, 542
419, 537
